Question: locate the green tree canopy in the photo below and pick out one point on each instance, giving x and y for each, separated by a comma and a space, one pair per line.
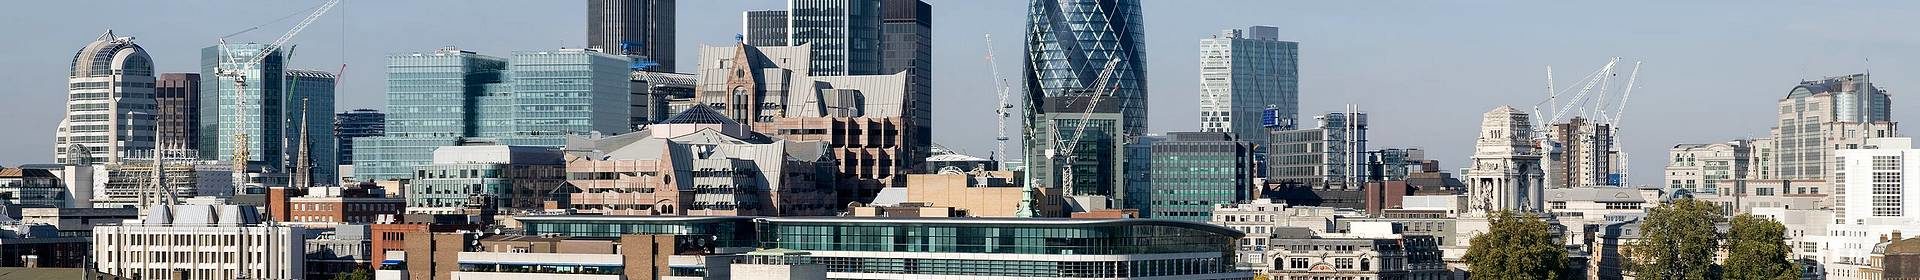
1516, 247
1757, 250
1677, 242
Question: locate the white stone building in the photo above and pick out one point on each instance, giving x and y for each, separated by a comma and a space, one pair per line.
1505, 173
1871, 201
200, 242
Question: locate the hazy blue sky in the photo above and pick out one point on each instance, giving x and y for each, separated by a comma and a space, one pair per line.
1426, 70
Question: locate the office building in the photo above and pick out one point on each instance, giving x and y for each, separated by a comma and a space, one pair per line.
200, 242
1505, 174
1069, 44
1087, 164
310, 104
655, 93
130, 183
503, 101
943, 160
354, 124
1007, 247
38, 245
110, 103
1715, 168
178, 112
1263, 219
866, 118
261, 110
504, 178
1138, 173
1195, 171
325, 206
1818, 117
77, 222
336, 251
389, 232
31, 188
1373, 250
845, 34
640, 29
1243, 73
1580, 154
764, 28
1331, 157
907, 46
699, 163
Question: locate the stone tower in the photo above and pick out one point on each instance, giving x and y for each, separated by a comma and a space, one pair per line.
1505, 174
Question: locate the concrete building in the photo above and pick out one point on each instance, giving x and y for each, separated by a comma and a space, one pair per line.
497, 100
699, 163
993, 247
38, 245
110, 103
200, 242
31, 188
640, 29
177, 116
778, 265
1373, 250
656, 93
1095, 162
1580, 154
627, 256
1505, 174
1330, 157
1717, 168
507, 179
1870, 203
867, 119
130, 183
1242, 74
1195, 171
983, 193
77, 222
1821, 116
354, 124
1263, 219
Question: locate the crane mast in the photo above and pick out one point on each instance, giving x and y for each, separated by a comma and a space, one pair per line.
1005, 109
1099, 90
242, 152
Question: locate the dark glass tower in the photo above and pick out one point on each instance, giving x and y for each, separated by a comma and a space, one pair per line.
645, 26
1068, 43
355, 124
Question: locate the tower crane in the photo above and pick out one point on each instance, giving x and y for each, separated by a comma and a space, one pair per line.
1070, 146
241, 152
1004, 110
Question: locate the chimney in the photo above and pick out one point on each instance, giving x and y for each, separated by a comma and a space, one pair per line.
1896, 236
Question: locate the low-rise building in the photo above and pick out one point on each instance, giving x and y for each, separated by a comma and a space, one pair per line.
340, 250
700, 163
983, 193
342, 205
519, 257
38, 245
508, 179
201, 242
77, 222
1262, 219
31, 188
1372, 250
919, 248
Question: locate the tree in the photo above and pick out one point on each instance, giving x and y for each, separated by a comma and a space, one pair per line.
1677, 242
1757, 250
1516, 247
358, 274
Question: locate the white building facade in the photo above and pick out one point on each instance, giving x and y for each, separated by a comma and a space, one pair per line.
200, 242
1871, 202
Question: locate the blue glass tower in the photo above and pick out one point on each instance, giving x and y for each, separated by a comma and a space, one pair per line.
1068, 44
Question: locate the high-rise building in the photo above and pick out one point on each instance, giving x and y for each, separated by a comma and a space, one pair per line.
1085, 146
1068, 45
1505, 173
1818, 117
1193, 171
309, 103
1242, 74
908, 46
447, 96
110, 103
178, 96
764, 28
261, 112
1717, 168
640, 29
355, 124
1581, 155
1139, 173
1872, 203
1331, 157
845, 34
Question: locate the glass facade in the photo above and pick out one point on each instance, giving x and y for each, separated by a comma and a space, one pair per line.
110, 105
728, 231
1068, 44
839, 243
534, 99
845, 34
259, 114
355, 124
1242, 74
511, 186
317, 90
1194, 171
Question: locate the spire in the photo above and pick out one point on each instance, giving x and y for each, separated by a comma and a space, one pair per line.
107, 36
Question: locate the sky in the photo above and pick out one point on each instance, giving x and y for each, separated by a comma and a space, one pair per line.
1424, 70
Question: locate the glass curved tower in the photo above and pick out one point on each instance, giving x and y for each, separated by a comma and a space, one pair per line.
1068, 44
110, 104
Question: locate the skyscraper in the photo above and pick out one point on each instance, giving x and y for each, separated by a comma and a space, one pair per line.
1242, 74
1068, 44
355, 124
1505, 173
310, 103
845, 34
109, 103
261, 114
536, 98
908, 46
1582, 154
178, 95
764, 28
1819, 117
639, 28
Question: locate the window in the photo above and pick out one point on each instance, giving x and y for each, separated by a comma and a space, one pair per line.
1343, 263
1297, 263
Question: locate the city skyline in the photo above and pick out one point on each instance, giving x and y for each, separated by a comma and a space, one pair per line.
1455, 61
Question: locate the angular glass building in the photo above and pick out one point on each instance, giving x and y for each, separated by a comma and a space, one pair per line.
926, 248
310, 102
1243, 73
536, 98
1068, 44
110, 103
268, 112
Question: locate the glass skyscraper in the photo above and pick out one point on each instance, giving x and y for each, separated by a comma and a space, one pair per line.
442, 97
640, 28
262, 110
311, 92
355, 124
1068, 44
110, 103
845, 33
1242, 74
